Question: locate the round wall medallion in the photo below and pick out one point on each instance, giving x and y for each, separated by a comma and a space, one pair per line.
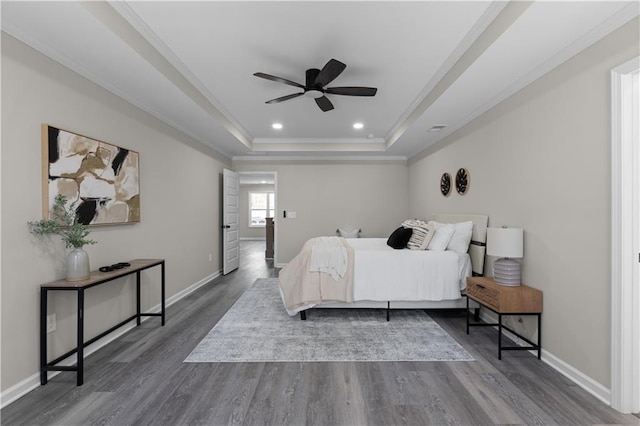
445, 184
462, 181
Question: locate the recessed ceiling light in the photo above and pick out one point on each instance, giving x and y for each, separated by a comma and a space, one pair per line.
436, 128
277, 126
358, 125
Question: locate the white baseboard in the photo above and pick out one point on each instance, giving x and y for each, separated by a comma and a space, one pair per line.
578, 377
173, 299
573, 374
32, 382
253, 239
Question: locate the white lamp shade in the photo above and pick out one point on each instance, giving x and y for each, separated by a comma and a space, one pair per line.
505, 242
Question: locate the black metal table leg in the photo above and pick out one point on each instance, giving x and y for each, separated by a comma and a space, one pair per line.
43, 336
162, 288
80, 339
467, 315
539, 335
138, 298
499, 336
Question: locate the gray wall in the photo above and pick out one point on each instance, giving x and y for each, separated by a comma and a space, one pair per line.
325, 196
541, 161
180, 210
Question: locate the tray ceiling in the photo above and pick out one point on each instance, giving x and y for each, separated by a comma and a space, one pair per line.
191, 64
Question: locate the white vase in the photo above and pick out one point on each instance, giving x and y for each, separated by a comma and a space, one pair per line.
77, 265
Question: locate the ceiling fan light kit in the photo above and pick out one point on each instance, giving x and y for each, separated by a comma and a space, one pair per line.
315, 82
313, 94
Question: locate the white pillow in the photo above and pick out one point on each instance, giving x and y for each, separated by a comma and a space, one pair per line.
442, 236
352, 233
461, 237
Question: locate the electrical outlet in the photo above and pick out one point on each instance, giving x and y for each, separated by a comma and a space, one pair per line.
514, 322
51, 323
210, 257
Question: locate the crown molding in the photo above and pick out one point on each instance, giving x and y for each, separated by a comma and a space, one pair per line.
73, 66
319, 147
467, 42
320, 158
134, 33
307, 141
123, 8
614, 22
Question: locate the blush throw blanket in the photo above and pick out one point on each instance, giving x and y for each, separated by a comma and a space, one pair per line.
302, 288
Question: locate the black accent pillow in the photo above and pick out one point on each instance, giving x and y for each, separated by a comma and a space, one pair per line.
399, 238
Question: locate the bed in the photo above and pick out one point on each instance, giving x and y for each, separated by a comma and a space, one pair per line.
378, 276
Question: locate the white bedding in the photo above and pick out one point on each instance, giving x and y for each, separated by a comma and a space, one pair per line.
384, 274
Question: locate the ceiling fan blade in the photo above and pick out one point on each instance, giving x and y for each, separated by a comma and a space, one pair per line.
284, 98
352, 91
324, 103
278, 79
331, 70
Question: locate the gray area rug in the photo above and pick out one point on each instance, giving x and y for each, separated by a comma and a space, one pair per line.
258, 329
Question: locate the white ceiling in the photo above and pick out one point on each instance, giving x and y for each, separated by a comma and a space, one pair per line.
190, 64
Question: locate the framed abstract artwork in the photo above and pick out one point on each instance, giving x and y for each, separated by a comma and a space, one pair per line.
102, 179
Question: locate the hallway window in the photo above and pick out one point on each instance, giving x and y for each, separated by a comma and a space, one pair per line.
261, 206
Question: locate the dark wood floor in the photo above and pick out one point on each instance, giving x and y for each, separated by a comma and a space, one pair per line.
141, 379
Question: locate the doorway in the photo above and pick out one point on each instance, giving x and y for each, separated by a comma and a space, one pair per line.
258, 207
625, 253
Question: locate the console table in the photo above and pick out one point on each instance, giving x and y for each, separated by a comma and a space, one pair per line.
95, 278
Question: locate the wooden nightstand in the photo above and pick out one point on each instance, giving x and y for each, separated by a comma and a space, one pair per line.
503, 300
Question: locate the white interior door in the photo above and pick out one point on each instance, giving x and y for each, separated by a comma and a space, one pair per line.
230, 219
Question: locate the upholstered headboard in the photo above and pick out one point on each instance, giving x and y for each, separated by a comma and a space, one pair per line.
478, 237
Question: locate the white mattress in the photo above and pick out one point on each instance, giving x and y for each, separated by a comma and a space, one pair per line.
384, 274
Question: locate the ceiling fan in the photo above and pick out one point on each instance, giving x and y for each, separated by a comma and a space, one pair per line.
315, 81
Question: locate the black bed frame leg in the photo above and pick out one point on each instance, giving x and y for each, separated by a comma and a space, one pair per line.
388, 309
303, 315
476, 314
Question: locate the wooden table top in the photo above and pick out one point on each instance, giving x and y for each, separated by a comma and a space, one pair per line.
96, 277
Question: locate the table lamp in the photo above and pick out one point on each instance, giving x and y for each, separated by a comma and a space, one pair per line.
505, 243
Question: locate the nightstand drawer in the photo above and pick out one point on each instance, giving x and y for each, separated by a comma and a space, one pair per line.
504, 299
488, 296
